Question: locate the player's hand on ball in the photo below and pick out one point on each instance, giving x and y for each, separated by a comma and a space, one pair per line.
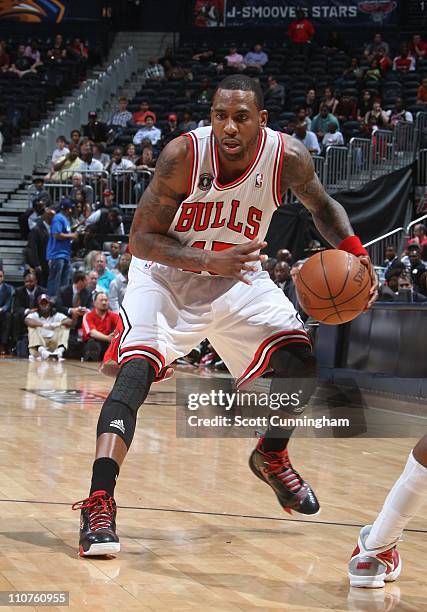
373, 295
238, 260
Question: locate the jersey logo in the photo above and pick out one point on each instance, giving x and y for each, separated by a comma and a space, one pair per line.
205, 181
258, 180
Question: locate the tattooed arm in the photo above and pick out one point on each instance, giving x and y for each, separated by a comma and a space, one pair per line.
156, 210
298, 173
329, 216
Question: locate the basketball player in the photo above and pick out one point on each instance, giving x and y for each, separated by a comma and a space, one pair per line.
196, 272
376, 560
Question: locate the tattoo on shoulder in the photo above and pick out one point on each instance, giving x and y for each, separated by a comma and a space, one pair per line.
166, 165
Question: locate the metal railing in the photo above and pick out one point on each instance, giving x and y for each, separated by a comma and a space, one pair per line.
396, 238
41, 144
422, 168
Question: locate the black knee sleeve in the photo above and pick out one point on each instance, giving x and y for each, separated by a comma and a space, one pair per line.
118, 414
295, 372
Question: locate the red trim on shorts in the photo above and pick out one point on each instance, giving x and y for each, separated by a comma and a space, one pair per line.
153, 363
261, 366
259, 151
143, 347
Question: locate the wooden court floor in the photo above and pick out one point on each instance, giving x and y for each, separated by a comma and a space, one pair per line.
198, 531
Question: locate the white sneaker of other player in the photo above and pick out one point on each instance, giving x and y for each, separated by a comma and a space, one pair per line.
44, 353
372, 568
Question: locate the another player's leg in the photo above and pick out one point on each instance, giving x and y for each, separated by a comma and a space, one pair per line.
375, 560
115, 431
270, 460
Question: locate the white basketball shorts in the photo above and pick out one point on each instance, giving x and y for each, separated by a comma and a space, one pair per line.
167, 312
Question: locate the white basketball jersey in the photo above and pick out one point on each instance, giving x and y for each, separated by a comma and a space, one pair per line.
216, 216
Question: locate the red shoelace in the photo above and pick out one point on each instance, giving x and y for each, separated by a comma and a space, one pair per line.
101, 508
279, 465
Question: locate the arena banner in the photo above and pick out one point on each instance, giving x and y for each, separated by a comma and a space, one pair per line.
279, 13
377, 208
53, 11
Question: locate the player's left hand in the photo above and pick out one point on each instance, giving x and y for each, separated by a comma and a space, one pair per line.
373, 294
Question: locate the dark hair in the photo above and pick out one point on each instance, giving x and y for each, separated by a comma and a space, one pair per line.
78, 276
241, 82
74, 131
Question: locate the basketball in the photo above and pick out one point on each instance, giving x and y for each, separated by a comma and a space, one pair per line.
333, 286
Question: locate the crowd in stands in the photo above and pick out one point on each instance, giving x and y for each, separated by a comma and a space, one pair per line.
35, 73
321, 93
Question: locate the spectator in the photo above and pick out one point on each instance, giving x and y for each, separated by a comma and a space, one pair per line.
320, 123
188, 123
333, 137
75, 137
32, 51
284, 255
256, 59
119, 284
92, 282
120, 168
139, 116
37, 211
289, 127
105, 276
66, 165
130, 153
100, 224
114, 258
22, 64
98, 328
171, 130
384, 62
36, 249
399, 113
155, 71
391, 258
58, 52
419, 238
148, 132
311, 102
373, 73
373, 48
4, 57
89, 164
308, 138
37, 191
78, 185
404, 62
329, 99
59, 248
48, 331
301, 30
282, 275
108, 201
204, 93
346, 109
6, 294
268, 266
353, 71
302, 116
422, 92
275, 92
365, 105
119, 119
24, 303
234, 59
378, 114
145, 163
95, 130
173, 71
78, 50
98, 152
417, 47
416, 265
388, 291
61, 149
75, 301
405, 283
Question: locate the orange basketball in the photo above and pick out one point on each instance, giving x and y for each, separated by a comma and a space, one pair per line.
333, 286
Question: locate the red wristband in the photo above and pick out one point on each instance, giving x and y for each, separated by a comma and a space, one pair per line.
352, 245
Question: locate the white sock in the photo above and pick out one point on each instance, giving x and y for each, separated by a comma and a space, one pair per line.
404, 500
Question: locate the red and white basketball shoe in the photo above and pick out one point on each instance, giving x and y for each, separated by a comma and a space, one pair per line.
372, 568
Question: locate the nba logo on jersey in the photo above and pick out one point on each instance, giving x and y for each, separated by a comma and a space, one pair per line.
258, 180
205, 181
